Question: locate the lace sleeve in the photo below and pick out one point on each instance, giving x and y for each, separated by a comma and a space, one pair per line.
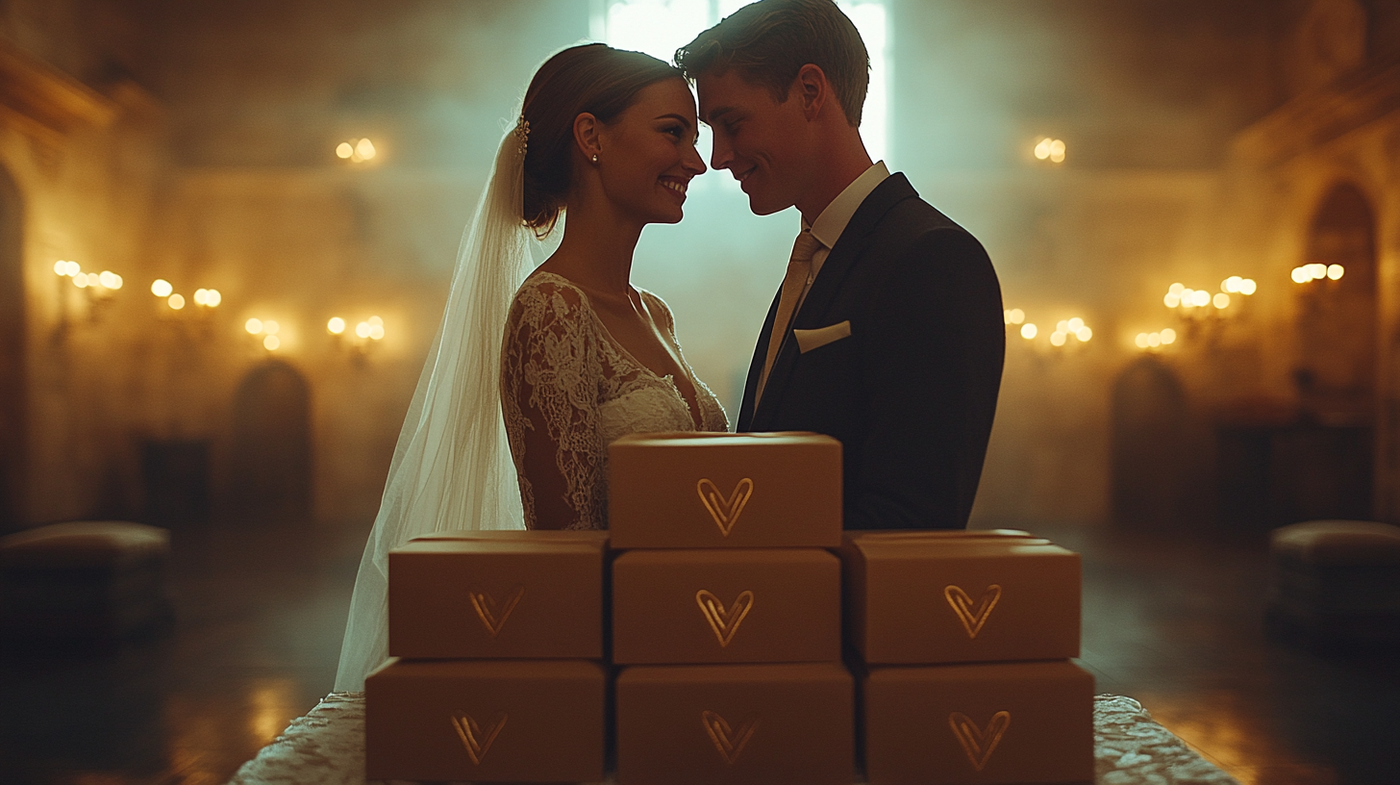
549, 396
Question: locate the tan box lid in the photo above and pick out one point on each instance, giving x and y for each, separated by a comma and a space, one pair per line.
914, 600
1017, 722
724, 490
726, 606
485, 720
735, 724
497, 596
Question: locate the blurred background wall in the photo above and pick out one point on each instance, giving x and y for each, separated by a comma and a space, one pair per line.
1103, 151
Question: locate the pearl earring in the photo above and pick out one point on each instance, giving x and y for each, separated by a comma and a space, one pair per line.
595, 158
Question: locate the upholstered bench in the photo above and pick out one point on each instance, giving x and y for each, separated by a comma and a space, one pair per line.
1337, 581
84, 580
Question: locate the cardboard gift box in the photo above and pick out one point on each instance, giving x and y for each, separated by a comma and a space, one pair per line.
485, 720
726, 606
1019, 722
786, 724
724, 490
983, 597
497, 595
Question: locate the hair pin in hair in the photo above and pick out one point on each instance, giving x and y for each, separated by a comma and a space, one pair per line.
522, 132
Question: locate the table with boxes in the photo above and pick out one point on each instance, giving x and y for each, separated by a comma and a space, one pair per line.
703, 639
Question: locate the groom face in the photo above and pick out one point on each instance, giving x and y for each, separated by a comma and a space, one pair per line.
763, 142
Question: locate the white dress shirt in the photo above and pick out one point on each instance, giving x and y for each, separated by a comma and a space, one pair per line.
832, 222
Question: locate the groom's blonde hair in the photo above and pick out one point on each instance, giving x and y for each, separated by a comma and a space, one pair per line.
768, 42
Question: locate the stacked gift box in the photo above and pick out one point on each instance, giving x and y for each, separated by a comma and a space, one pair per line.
963, 641
496, 660
726, 610
726, 605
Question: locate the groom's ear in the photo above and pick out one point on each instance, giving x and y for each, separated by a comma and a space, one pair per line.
586, 128
812, 89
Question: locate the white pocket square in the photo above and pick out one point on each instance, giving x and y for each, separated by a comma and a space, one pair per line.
807, 340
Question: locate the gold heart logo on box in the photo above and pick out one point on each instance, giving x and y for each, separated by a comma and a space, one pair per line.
475, 738
978, 743
494, 616
972, 620
725, 511
724, 622
729, 742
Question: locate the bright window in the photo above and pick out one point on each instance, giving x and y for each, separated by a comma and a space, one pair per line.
660, 27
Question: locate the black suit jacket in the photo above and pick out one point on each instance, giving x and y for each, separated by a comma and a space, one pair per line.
912, 391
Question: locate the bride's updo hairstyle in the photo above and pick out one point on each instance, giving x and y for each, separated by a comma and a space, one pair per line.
593, 78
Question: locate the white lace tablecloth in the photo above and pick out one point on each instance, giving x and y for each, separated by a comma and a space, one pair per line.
327, 747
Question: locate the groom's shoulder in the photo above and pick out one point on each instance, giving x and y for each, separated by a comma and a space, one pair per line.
908, 226
908, 211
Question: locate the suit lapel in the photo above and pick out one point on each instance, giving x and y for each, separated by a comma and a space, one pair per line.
849, 250
760, 353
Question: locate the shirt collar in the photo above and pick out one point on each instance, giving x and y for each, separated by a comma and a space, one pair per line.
832, 222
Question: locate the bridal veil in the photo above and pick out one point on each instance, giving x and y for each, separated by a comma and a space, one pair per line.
452, 467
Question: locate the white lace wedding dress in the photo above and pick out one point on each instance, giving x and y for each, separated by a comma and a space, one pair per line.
583, 389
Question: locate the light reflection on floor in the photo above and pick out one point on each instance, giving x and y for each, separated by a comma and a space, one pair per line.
1230, 736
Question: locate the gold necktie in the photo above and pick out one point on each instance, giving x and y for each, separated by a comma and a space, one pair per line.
799, 268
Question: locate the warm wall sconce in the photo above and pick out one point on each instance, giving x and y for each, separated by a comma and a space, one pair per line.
1047, 149
356, 151
100, 284
268, 329
360, 337
1317, 271
1155, 341
1070, 328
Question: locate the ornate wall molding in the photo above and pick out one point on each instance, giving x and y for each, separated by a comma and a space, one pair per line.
43, 101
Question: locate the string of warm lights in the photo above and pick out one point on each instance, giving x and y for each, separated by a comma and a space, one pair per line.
1317, 271
356, 150
102, 283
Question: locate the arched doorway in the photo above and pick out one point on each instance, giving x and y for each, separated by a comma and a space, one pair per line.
1336, 321
270, 467
13, 441
1152, 447
1328, 461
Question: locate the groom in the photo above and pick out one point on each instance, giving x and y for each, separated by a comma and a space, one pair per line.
887, 333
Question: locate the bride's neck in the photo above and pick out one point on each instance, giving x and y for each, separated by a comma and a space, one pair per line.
596, 252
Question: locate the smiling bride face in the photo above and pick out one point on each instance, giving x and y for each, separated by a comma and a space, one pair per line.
646, 158
632, 110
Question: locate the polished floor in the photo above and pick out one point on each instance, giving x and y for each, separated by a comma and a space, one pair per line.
1175, 622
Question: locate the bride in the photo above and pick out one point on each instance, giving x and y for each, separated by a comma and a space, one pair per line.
522, 394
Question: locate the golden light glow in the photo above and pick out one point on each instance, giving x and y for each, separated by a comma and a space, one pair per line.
356, 150
1200, 298
60, 267
199, 295
1028, 331
1172, 300
1049, 149
1335, 272
1168, 336
362, 329
93, 279
376, 332
253, 326
72, 269
1317, 270
176, 301
1083, 334
375, 321
212, 298
1141, 340
1015, 316
1176, 289
1075, 325
1248, 287
335, 326
110, 279
1057, 338
161, 288
270, 327
80, 281
1221, 301
271, 343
